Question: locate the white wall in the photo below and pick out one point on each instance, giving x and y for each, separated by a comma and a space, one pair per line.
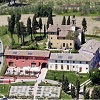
77, 65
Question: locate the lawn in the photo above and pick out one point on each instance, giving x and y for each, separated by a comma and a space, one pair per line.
65, 96
72, 77
23, 84
4, 88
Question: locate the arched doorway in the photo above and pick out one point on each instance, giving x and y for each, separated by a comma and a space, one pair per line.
44, 65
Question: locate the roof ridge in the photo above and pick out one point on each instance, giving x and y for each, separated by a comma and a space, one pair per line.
83, 55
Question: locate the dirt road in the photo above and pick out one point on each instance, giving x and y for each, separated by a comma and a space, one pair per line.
57, 20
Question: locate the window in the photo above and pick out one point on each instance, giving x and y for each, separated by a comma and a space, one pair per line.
63, 37
57, 38
10, 57
67, 61
44, 58
86, 68
63, 44
51, 37
73, 66
56, 66
51, 43
67, 67
19, 57
26, 58
70, 44
80, 62
61, 66
55, 60
22, 57
13, 57
16, 58
61, 61
73, 61
86, 62
36, 58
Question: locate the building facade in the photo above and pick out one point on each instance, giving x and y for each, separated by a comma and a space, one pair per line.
57, 35
87, 58
68, 62
22, 58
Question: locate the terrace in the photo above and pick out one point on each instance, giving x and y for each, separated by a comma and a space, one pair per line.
26, 71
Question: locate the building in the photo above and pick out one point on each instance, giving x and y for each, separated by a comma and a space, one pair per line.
22, 58
57, 35
87, 58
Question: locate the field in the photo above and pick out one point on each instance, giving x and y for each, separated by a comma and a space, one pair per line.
57, 20
72, 77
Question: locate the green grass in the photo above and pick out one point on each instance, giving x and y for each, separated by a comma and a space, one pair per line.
23, 84
70, 75
47, 84
3, 67
65, 96
4, 88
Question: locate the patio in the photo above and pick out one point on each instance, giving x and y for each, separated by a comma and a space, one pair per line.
27, 71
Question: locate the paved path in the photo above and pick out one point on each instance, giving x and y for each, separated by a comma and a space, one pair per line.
1, 55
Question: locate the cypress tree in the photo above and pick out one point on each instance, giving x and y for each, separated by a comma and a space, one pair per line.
73, 91
18, 17
86, 95
34, 25
18, 30
77, 88
12, 24
22, 27
82, 38
29, 29
50, 20
66, 85
64, 21
84, 24
44, 31
68, 20
40, 24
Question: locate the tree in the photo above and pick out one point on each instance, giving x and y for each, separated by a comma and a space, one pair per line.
95, 77
73, 91
72, 35
96, 93
40, 24
77, 88
29, 29
9, 20
84, 24
18, 17
18, 30
50, 20
86, 95
9, 2
65, 84
64, 21
68, 20
34, 25
44, 31
12, 24
22, 27
84, 89
82, 38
